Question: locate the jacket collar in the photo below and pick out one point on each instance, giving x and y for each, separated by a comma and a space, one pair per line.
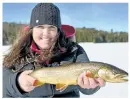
34, 48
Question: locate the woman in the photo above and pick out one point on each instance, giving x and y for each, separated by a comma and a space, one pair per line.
44, 45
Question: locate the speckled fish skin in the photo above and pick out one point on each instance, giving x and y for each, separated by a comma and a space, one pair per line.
68, 74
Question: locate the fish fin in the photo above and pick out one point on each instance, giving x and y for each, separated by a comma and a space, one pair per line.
89, 74
37, 83
61, 87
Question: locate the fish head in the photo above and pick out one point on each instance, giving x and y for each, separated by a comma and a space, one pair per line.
113, 74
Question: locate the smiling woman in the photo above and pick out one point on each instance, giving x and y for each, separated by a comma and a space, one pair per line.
44, 45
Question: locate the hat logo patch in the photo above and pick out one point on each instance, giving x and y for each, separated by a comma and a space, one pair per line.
37, 21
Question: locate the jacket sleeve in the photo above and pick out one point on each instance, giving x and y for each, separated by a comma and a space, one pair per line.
82, 57
10, 88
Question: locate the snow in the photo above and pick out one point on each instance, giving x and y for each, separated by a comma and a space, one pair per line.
112, 53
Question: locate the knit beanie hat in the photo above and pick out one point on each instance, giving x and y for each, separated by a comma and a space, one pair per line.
45, 13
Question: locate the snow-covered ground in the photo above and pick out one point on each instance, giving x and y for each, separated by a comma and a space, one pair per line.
112, 53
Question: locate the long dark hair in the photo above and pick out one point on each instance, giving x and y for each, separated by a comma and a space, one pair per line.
21, 47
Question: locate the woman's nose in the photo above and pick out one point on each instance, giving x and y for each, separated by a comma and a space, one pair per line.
45, 32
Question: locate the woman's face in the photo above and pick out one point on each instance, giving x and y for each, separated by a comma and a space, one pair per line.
45, 36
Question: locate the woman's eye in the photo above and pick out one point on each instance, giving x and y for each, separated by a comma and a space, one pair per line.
52, 28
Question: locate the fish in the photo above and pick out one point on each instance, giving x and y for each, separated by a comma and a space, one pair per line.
67, 74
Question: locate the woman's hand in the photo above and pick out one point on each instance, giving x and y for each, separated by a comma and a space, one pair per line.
25, 81
88, 82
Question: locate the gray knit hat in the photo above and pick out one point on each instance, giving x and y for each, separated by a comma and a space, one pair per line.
45, 13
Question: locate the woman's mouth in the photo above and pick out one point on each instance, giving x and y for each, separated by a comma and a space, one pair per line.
46, 39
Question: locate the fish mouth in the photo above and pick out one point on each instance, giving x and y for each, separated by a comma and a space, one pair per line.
121, 78
124, 77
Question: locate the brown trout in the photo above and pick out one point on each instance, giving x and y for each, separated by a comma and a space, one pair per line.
68, 74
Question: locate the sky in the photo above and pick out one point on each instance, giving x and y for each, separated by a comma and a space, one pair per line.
102, 16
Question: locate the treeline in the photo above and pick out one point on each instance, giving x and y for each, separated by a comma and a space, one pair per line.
100, 36
11, 30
